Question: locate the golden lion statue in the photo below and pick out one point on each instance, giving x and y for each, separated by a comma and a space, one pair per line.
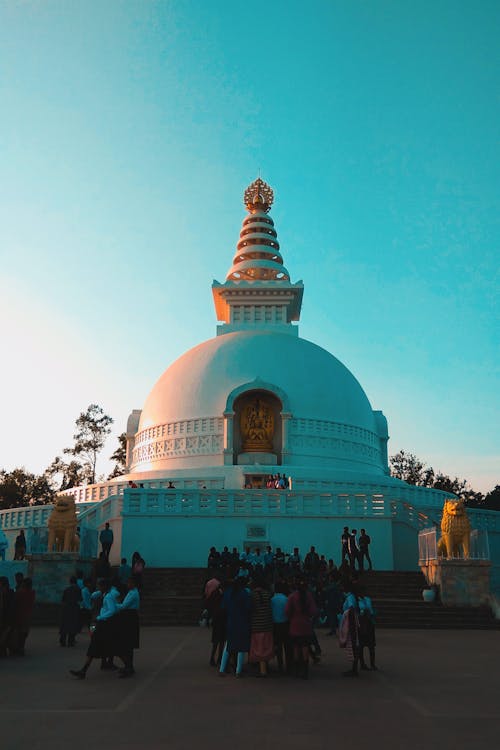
62, 526
455, 530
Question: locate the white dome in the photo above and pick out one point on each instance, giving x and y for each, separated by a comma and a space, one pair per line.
318, 385
330, 420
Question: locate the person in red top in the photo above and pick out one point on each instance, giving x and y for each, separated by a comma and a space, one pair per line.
301, 609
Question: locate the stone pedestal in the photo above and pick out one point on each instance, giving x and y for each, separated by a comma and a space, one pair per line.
51, 572
462, 583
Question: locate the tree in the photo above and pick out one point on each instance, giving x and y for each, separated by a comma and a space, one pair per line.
93, 426
62, 475
410, 469
120, 456
492, 499
20, 487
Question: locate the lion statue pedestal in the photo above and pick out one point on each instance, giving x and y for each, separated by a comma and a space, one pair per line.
455, 531
62, 525
462, 582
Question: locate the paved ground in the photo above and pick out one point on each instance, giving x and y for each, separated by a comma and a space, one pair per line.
436, 689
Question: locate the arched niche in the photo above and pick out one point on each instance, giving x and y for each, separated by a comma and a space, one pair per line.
257, 427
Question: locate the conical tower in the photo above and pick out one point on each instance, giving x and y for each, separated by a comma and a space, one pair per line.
257, 292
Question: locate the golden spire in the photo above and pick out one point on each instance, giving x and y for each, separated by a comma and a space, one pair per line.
258, 196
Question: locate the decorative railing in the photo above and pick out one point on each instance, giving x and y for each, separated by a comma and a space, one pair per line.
35, 516
266, 503
158, 500
97, 492
427, 545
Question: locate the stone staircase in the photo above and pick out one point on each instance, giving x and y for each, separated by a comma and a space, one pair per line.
397, 598
173, 596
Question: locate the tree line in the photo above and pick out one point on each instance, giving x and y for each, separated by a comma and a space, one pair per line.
410, 469
20, 487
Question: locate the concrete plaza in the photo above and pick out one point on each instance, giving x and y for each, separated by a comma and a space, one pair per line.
435, 689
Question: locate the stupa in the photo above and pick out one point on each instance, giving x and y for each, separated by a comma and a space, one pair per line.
257, 398
255, 401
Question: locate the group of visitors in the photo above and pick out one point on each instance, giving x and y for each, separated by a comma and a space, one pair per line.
284, 564
356, 549
110, 613
251, 619
16, 609
252, 616
278, 482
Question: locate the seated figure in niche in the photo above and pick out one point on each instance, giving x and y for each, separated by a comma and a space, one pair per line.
257, 426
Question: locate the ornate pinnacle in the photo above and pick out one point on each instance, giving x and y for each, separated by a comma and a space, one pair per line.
258, 195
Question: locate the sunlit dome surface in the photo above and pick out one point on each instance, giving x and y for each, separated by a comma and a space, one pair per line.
198, 384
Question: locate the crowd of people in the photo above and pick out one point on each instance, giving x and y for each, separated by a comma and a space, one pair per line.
262, 605
265, 606
103, 605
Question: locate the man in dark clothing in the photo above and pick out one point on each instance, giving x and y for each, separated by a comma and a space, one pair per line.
7, 613
364, 543
345, 543
70, 615
20, 546
106, 538
353, 550
311, 562
334, 600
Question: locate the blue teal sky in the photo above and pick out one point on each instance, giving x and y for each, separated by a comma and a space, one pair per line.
129, 132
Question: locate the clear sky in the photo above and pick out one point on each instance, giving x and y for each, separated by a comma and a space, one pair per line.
129, 131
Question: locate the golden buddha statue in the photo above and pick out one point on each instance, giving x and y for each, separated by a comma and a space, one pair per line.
257, 427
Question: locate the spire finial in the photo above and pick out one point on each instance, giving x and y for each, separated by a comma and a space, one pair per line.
258, 196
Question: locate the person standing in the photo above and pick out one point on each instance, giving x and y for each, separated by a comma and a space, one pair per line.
301, 610
364, 544
127, 628
70, 615
20, 546
281, 627
349, 629
345, 544
103, 637
7, 611
138, 565
124, 573
237, 603
4, 544
353, 550
311, 563
23, 610
261, 644
217, 614
106, 538
366, 630
333, 604
86, 604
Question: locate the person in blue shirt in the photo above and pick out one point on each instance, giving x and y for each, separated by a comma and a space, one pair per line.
366, 630
269, 560
86, 604
282, 643
124, 572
